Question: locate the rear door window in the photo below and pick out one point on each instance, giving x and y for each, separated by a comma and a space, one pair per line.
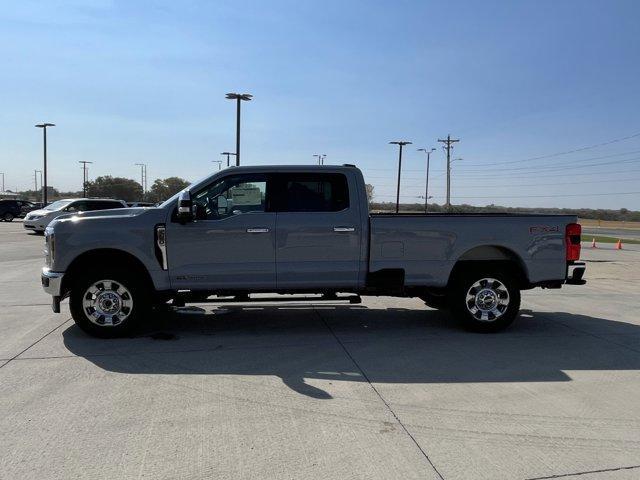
311, 192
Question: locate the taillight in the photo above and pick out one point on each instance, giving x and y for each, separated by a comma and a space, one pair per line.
572, 240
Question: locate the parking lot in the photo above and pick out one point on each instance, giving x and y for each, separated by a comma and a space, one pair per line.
385, 389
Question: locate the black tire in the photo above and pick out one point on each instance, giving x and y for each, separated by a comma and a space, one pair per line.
437, 302
493, 315
8, 217
132, 288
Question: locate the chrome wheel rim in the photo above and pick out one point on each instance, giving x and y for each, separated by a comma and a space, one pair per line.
487, 300
107, 303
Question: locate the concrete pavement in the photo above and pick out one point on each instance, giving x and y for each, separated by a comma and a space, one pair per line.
386, 389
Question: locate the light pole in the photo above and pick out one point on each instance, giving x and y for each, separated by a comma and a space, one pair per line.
321, 158
426, 188
35, 178
228, 154
2, 181
85, 178
143, 178
219, 162
400, 144
44, 126
238, 97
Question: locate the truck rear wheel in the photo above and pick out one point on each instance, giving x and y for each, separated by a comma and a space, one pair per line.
485, 299
110, 303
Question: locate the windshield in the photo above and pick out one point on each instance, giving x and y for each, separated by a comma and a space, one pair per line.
58, 205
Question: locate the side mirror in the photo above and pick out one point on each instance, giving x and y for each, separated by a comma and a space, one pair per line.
185, 207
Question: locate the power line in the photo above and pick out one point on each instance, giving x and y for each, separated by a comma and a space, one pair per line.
577, 161
556, 195
567, 152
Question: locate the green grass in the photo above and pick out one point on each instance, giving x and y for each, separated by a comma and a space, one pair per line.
601, 239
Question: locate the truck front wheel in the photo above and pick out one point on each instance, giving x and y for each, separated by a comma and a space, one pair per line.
485, 300
109, 304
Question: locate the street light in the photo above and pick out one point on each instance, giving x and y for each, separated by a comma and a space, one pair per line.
238, 97
426, 188
35, 178
320, 157
400, 144
44, 126
228, 154
219, 162
143, 177
2, 181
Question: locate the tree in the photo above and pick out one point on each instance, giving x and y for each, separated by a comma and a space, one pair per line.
115, 187
369, 189
161, 189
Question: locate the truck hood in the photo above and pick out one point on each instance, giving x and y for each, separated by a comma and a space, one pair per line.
108, 215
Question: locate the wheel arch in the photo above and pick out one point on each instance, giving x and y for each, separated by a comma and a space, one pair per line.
104, 256
496, 255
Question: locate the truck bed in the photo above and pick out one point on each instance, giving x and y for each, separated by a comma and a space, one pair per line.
427, 246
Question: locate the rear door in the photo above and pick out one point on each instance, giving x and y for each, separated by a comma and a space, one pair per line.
317, 231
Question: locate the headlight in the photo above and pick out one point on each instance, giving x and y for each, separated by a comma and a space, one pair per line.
34, 217
49, 246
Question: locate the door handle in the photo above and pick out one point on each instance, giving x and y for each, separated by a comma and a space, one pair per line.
257, 230
344, 229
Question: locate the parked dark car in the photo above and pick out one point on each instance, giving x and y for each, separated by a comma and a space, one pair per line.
10, 209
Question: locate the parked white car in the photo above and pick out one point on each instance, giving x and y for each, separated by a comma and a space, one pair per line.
38, 220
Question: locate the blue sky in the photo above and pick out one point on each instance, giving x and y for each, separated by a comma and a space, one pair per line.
130, 82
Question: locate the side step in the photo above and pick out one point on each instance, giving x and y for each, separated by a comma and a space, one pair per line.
180, 300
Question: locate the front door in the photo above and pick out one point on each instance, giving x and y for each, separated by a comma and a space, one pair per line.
231, 243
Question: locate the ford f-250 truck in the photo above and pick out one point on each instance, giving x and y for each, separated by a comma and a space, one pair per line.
299, 229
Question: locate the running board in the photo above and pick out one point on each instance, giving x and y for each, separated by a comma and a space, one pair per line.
180, 300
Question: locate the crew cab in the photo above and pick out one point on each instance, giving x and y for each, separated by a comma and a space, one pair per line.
299, 229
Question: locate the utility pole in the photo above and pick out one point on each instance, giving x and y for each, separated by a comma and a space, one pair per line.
400, 144
228, 154
143, 178
448, 146
85, 177
219, 162
426, 188
44, 126
238, 97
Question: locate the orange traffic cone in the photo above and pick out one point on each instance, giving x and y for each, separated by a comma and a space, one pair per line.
619, 245
593, 243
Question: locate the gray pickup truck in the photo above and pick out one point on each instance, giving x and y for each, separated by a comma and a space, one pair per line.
304, 230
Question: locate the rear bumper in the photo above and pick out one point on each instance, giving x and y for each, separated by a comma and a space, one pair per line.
575, 272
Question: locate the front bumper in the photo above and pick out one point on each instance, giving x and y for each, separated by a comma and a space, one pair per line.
575, 272
34, 225
52, 284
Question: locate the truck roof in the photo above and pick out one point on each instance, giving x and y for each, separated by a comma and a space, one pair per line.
290, 168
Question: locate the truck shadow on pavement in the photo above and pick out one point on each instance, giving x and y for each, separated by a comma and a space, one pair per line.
310, 348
